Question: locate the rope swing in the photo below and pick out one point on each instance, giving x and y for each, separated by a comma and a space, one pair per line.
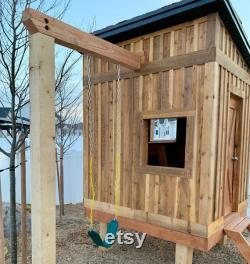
113, 225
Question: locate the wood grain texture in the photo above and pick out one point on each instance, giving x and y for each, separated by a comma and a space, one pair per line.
185, 74
152, 229
43, 185
73, 38
183, 254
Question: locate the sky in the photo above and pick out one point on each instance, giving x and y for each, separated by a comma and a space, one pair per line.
108, 12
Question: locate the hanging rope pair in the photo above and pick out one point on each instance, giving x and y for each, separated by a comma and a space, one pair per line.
112, 226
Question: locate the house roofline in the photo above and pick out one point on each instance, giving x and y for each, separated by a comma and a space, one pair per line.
177, 13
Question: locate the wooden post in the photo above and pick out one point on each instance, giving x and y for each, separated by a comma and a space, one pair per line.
42, 102
2, 257
183, 254
61, 179
23, 202
224, 241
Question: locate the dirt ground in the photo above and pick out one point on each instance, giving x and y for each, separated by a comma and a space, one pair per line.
74, 247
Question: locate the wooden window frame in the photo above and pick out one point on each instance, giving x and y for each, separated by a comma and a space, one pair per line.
185, 172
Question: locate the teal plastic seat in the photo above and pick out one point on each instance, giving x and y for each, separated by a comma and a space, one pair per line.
112, 228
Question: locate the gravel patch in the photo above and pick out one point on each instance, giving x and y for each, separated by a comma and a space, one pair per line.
74, 247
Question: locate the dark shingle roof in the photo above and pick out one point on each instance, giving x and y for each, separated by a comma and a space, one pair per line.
5, 121
175, 14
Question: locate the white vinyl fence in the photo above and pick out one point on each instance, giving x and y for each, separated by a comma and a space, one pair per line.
73, 175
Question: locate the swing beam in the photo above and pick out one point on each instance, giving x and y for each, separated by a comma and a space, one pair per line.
78, 40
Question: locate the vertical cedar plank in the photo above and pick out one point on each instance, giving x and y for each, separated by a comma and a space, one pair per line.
208, 143
212, 29
146, 48
196, 36
172, 44
104, 132
126, 127
147, 192
156, 47
85, 132
166, 44
178, 42
164, 90
137, 142
199, 87
42, 97
192, 141
110, 141
220, 147
225, 149
114, 125
99, 140
189, 93
141, 181
178, 92
190, 39
95, 133
202, 31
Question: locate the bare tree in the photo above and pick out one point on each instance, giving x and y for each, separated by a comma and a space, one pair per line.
68, 114
14, 81
2, 257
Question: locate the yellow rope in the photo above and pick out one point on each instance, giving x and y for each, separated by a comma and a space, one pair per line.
91, 142
92, 191
117, 183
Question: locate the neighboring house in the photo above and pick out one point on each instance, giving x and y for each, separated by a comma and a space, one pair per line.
5, 119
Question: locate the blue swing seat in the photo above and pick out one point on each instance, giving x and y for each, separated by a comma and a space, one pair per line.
112, 228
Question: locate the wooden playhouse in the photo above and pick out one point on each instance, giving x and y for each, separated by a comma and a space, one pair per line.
195, 74
172, 157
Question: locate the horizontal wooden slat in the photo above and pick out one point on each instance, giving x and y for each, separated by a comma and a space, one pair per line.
168, 63
160, 220
166, 171
168, 114
204, 244
78, 40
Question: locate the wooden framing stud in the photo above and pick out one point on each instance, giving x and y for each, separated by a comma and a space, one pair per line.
42, 100
183, 254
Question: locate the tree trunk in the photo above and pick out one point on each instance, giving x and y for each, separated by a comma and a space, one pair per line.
23, 202
2, 257
62, 177
13, 231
